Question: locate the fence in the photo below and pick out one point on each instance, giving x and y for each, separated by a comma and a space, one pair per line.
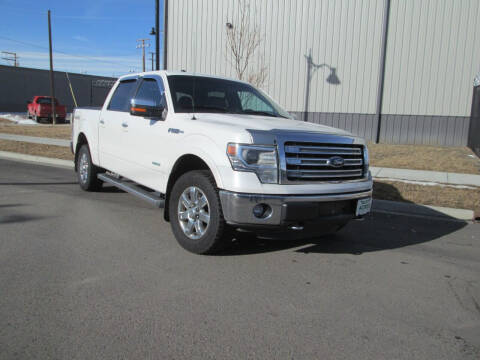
18, 84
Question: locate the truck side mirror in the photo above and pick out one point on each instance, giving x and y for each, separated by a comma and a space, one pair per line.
147, 111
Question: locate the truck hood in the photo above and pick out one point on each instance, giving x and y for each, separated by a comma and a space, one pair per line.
267, 123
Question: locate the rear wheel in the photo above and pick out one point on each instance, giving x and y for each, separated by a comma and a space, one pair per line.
196, 214
87, 171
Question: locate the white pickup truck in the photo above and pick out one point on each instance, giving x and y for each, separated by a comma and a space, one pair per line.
222, 158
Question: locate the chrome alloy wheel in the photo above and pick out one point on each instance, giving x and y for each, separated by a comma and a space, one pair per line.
193, 212
83, 167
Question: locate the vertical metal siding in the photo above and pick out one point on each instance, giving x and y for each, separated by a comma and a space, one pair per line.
343, 34
433, 53
432, 57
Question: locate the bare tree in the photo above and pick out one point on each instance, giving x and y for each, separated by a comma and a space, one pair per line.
243, 40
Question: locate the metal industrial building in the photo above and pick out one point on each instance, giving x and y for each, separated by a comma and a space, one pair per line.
431, 50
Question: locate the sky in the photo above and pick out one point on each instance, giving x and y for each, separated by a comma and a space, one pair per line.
95, 37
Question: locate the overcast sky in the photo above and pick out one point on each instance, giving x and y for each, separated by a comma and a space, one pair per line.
89, 36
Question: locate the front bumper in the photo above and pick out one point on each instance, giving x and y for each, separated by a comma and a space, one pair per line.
288, 209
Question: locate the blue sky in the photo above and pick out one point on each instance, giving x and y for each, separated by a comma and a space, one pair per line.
89, 36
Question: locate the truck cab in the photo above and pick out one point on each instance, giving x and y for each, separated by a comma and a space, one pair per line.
40, 108
220, 156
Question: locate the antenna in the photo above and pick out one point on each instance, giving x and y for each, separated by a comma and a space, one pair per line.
193, 97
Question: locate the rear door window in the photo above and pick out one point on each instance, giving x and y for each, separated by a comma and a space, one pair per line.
123, 95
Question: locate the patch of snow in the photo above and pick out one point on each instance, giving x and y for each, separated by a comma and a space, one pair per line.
18, 118
26, 122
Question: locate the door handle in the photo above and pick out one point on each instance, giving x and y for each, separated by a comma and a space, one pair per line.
125, 125
102, 121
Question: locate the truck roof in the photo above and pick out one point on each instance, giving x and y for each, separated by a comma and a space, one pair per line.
177, 72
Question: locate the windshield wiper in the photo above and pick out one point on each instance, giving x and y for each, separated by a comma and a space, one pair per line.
255, 112
207, 107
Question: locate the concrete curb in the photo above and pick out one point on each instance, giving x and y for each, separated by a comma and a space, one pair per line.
36, 159
35, 139
426, 211
379, 206
439, 177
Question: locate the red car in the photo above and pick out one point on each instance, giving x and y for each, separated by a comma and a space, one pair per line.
41, 108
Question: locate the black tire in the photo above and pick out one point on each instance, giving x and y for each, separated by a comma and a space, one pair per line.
87, 176
212, 240
36, 119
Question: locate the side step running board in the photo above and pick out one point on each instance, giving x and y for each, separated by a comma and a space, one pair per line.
128, 186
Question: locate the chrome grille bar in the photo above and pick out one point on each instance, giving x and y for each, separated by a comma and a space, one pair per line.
322, 150
322, 162
323, 173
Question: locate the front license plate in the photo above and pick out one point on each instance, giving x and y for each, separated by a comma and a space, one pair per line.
363, 206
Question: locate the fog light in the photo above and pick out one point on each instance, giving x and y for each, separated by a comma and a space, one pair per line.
262, 211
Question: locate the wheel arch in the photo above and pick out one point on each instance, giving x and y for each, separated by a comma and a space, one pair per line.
184, 164
81, 140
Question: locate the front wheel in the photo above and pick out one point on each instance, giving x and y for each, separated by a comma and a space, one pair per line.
196, 213
87, 171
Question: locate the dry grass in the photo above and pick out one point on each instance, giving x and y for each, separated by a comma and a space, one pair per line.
63, 131
52, 151
422, 157
428, 195
386, 190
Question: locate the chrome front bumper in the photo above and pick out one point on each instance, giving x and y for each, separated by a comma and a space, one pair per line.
238, 207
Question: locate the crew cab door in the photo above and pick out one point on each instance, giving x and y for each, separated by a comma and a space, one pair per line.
148, 136
113, 128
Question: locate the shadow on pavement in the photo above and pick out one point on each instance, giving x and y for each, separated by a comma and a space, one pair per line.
389, 226
38, 183
377, 232
9, 219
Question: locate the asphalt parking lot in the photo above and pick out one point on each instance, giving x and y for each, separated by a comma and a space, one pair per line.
100, 276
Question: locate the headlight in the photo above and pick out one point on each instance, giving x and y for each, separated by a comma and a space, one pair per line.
366, 160
262, 160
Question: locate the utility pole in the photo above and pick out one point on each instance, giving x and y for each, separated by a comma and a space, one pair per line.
157, 35
52, 87
11, 56
165, 33
142, 44
152, 57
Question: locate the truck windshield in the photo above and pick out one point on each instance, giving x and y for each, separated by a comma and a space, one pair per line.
204, 94
45, 100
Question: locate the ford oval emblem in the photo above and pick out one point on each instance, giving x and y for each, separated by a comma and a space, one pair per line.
336, 161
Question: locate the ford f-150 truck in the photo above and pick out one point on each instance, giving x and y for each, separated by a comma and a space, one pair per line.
41, 108
221, 157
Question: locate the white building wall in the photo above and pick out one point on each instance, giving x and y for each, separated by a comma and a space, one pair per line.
344, 34
433, 53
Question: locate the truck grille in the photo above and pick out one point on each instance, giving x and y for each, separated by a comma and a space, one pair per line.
323, 162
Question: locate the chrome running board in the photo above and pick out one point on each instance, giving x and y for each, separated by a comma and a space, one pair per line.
153, 198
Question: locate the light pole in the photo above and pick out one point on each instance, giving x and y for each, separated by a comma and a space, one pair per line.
52, 86
151, 57
156, 31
